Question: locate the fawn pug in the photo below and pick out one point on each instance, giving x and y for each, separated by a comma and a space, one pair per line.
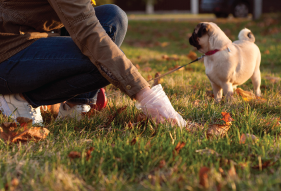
227, 64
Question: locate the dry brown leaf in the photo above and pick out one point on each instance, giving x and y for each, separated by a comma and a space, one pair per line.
134, 141
13, 185
192, 55
264, 165
203, 177
248, 96
165, 57
149, 77
162, 164
208, 152
89, 152
141, 117
147, 69
179, 146
34, 133
244, 137
157, 81
273, 79
217, 130
130, 125
74, 155
196, 103
267, 52
164, 44
120, 110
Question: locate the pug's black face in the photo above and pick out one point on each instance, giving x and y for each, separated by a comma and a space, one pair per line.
201, 31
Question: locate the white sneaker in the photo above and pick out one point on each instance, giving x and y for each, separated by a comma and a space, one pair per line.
74, 112
18, 108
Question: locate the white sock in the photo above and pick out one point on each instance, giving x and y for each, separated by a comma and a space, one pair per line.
19, 98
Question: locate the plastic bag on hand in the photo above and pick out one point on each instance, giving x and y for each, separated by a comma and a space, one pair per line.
157, 105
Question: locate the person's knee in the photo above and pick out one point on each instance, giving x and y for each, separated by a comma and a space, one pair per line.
119, 15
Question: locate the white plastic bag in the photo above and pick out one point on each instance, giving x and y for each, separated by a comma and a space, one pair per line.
157, 105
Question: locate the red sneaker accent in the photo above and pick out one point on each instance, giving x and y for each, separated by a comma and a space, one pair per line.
101, 100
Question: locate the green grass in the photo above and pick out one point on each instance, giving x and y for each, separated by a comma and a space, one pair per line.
117, 164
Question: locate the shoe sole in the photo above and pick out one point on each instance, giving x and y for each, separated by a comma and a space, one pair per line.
4, 106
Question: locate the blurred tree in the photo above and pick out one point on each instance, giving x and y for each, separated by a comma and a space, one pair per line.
150, 6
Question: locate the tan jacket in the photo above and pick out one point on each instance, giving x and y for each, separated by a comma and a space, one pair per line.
24, 21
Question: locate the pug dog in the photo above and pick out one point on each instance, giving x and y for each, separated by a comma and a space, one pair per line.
227, 64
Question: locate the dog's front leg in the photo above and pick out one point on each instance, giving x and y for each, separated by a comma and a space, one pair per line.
228, 91
217, 90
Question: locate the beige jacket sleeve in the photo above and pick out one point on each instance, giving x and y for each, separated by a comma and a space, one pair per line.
80, 20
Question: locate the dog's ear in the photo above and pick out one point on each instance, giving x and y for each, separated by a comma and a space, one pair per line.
204, 28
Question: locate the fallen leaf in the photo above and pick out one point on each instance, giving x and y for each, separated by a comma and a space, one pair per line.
149, 77
248, 96
162, 164
203, 177
120, 110
179, 146
130, 125
217, 130
164, 44
267, 52
208, 152
89, 152
196, 103
264, 165
34, 133
134, 141
157, 81
13, 184
227, 118
141, 117
147, 69
244, 137
165, 57
74, 155
192, 55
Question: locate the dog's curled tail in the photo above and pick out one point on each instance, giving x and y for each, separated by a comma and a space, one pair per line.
246, 34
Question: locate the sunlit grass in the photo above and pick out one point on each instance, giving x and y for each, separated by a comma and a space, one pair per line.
117, 164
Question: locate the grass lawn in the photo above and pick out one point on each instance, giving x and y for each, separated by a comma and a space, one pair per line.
133, 155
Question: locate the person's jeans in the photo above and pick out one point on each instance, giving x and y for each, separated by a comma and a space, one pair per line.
53, 70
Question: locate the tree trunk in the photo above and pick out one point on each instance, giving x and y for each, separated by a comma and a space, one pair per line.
149, 6
194, 4
257, 9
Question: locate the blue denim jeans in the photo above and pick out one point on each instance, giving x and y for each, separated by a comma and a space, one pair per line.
53, 70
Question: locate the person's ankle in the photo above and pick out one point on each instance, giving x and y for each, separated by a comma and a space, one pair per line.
19, 97
71, 105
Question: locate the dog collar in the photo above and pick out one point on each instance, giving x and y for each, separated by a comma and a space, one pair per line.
211, 52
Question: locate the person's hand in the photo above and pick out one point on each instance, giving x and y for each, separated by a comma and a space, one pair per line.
155, 104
